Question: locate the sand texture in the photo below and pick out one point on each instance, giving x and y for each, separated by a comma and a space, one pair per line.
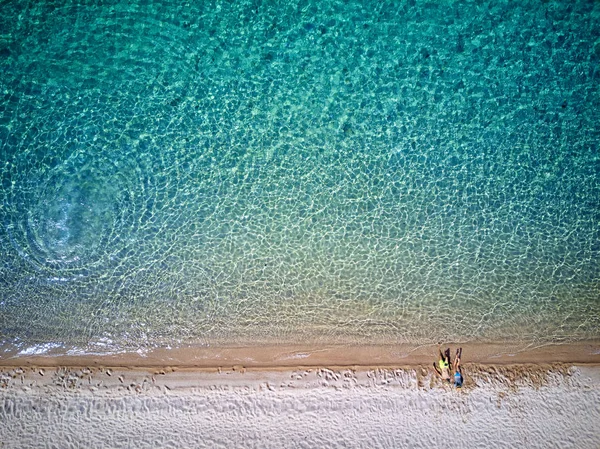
533, 406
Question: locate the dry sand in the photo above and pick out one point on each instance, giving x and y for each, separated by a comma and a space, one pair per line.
531, 397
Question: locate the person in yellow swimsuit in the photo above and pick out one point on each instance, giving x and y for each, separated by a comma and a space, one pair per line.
442, 368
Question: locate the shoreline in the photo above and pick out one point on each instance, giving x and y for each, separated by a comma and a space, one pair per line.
279, 400
284, 357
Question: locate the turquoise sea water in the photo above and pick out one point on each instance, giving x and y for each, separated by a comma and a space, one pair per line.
331, 171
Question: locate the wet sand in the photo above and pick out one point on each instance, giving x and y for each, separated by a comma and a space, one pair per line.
273, 357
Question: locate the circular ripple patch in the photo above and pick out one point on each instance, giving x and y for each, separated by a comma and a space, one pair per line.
80, 217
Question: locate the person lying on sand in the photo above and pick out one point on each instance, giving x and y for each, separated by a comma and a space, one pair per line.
458, 377
444, 365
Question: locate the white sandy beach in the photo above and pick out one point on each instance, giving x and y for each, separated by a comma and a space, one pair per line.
533, 406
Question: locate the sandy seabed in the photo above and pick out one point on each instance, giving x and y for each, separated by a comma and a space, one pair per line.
543, 404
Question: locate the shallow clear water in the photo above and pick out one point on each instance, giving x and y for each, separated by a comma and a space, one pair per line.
219, 172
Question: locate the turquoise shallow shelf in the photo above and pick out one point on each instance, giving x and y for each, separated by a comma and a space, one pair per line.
364, 172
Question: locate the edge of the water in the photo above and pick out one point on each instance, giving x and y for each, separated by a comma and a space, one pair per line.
285, 356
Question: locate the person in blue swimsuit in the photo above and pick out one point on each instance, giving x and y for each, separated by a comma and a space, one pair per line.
458, 377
